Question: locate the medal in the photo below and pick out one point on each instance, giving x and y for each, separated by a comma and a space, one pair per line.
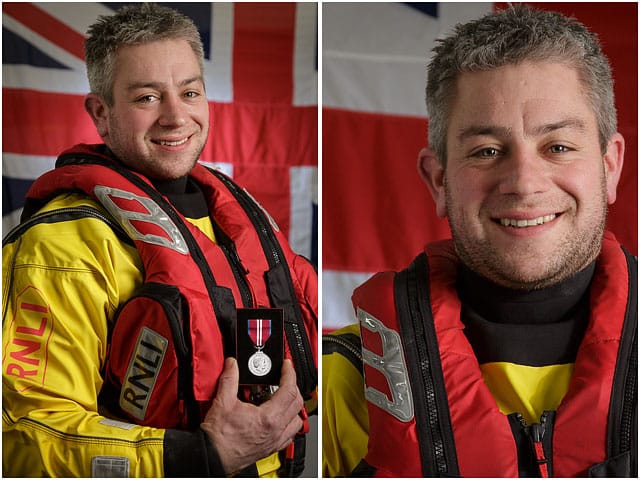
259, 331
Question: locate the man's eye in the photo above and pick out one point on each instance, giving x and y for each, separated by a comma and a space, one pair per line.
146, 99
558, 149
488, 152
191, 94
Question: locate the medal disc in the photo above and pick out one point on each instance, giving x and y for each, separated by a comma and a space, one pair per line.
259, 364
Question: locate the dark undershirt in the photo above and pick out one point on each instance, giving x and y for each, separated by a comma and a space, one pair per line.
535, 328
185, 195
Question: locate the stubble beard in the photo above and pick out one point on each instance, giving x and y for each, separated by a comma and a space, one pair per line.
569, 257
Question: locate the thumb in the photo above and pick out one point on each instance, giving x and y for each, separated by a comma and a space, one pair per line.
228, 381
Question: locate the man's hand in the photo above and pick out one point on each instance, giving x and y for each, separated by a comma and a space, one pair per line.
242, 432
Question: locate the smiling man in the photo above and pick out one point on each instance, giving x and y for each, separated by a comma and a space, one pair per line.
508, 350
122, 284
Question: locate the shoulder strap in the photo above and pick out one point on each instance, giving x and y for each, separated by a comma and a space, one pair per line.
417, 329
213, 289
280, 287
622, 429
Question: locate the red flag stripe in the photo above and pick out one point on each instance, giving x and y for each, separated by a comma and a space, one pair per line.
263, 47
259, 138
47, 26
249, 133
27, 130
377, 214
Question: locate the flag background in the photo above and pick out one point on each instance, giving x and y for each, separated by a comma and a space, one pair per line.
261, 79
376, 212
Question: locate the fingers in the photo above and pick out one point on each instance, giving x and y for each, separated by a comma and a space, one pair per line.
228, 381
288, 373
287, 400
290, 432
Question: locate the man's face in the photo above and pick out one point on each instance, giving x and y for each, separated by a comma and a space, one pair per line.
526, 186
159, 119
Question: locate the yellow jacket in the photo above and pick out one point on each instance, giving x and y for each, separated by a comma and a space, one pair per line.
62, 283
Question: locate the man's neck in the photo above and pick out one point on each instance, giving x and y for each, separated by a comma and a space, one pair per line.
504, 305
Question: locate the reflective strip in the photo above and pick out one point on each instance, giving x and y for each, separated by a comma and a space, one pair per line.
154, 215
142, 373
392, 365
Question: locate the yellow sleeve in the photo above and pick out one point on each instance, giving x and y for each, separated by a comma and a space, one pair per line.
345, 420
62, 283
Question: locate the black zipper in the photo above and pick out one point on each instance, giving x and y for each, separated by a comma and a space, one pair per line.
301, 354
239, 273
64, 214
346, 346
417, 329
344, 343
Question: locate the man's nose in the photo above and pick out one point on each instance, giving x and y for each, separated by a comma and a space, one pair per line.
524, 172
173, 112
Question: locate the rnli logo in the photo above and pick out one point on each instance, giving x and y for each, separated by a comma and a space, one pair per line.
142, 373
26, 348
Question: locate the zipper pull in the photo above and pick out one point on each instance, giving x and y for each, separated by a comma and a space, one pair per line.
535, 433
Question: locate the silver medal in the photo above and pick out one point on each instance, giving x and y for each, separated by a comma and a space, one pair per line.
259, 364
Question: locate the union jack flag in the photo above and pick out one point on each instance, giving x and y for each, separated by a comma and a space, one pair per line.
376, 212
261, 77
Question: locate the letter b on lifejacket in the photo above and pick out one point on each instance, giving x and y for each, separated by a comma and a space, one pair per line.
392, 366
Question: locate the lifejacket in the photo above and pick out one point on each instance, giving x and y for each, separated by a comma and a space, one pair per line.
170, 339
431, 413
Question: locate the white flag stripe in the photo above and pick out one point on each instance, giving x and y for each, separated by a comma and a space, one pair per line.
305, 75
43, 44
26, 167
77, 16
224, 167
218, 71
304, 193
10, 220
45, 79
375, 55
337, 287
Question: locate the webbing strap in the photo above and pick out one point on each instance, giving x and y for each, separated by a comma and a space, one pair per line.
622, 431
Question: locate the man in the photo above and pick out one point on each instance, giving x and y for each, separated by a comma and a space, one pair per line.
511, 349
122, 283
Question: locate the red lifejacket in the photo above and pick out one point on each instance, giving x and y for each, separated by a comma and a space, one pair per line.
430, 412
169, 342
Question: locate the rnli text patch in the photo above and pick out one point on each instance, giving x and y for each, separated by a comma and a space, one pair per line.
142, 373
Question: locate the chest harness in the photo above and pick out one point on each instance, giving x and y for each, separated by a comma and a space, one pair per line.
427, 399
169, 341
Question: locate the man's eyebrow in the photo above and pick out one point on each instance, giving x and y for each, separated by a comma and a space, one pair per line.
482, 130
502, 132
161, 85
573, 123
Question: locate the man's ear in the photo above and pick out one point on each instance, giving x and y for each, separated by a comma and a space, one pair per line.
432, 173
98, 110
613, 161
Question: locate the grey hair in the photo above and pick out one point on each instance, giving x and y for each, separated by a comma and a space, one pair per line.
133, 25
516, 34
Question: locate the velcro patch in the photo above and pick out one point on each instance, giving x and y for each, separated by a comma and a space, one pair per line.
109, 467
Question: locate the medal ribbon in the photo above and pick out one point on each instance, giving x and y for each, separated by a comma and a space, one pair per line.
259, 331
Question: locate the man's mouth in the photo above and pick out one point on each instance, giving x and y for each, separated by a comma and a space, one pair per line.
171, 143
532, 222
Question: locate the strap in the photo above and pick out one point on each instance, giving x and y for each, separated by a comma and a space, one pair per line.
192, 244
622, 430
280, 288
417, 329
